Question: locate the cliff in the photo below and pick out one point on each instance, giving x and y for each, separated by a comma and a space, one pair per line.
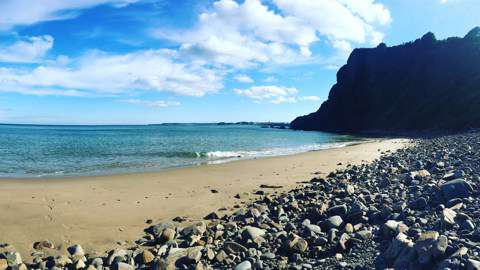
425, 85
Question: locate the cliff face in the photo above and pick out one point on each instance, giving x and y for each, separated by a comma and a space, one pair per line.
425, 85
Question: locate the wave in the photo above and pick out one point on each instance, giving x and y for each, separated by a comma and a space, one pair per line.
273, 151
278, 151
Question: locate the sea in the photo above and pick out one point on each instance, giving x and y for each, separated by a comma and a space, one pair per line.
43, 151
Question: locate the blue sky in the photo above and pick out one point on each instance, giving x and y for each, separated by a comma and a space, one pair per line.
153, 61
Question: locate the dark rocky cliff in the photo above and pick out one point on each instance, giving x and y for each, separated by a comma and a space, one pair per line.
425, 85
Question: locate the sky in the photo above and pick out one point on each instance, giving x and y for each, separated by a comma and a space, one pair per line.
156, 61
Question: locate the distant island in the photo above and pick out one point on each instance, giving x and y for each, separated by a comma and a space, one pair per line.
279, 125
421, 86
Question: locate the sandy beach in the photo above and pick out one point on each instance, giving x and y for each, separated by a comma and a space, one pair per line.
106, 211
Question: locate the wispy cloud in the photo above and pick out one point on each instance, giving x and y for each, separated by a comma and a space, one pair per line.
243, 78
271, 93
27, 12
153, 103
101, 73
270, 79
274, 94
27, 50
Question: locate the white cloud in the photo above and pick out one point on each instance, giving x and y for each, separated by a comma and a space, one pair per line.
98, 73
274, 94
243, 78
271, 93
270, 79
26, 12
249, 34
340, 20
243, 35
310, 98
280, 100
153, 103
227, 37
28, 50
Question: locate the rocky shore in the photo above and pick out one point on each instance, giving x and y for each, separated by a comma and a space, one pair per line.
417, 208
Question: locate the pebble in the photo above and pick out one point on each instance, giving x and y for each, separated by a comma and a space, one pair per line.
246, 265
334, 222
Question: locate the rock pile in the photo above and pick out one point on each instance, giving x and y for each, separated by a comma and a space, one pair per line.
417, 208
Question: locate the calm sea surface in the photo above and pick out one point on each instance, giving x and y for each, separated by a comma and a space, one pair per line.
57, 151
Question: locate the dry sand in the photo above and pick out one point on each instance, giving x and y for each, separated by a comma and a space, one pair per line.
97, 212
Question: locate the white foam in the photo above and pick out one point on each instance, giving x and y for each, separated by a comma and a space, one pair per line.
217, 157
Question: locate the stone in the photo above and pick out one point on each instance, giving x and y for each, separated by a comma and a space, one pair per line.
365, 234
440, 246
62, 261
342, 242
429, 235
467, 225
97, 262
198, 228
422, 173
3, 264
210, 254
449, 216
268, 256
393, 227
457, 188
123, 266
297, 244
211, 216
233, 247
221, 256
116, 255
418, 204
190, 254
334, 221
199, 266
245, 265
168, 234
147, 257
337, 210
194, 254
406, 259
349, 228
76, 251
45, 244
473, 264
397, 246
251, 232
459, 252
313, 228
13, 258
80, 264
425, 246
350, 189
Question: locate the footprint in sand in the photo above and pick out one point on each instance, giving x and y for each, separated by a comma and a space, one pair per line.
49, 218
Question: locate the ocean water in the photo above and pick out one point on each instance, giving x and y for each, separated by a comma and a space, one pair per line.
31, 151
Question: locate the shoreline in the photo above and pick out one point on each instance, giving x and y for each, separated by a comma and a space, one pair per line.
99, 211
198, 164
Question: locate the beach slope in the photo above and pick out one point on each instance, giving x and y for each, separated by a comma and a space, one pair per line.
102, 212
